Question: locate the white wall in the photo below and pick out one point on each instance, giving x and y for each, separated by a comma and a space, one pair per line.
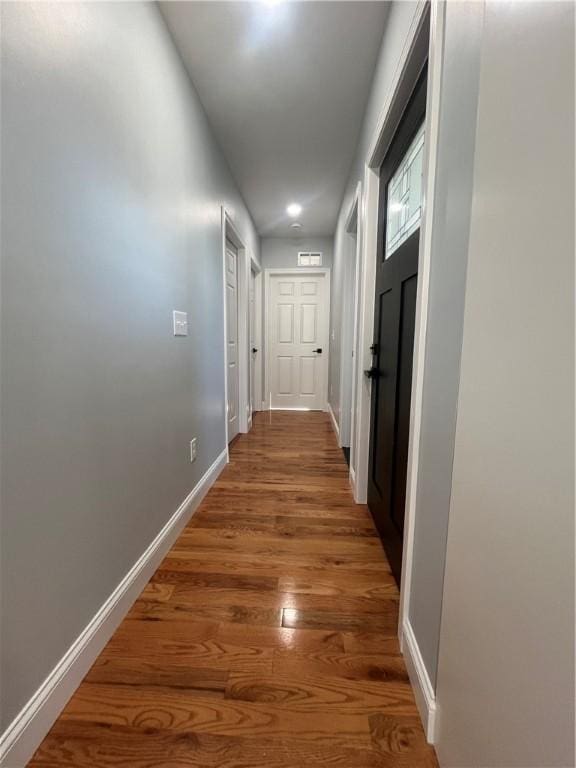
506, 668
111, 193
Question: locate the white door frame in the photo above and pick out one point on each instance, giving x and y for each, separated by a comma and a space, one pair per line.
424, 40
257, 269
244, 262
348, 327
266, 401
354, 226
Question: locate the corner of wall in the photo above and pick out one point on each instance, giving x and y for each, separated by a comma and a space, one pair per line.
421, 683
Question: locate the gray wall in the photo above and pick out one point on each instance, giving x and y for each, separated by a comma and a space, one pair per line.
282, 252
397, 25
111, 194
506, 668
450, 232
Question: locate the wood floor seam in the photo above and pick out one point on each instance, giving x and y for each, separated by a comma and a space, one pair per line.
267, 638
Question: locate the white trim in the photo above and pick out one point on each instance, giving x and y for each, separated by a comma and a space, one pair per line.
243, 339
365, 331
351, 223
335, 426
423, 690
298, 271
224, 344
352, 478
24, 735
293, 408
244, 263
348, 323
435, 63
254, 265
268, 273
257, 269
354, 226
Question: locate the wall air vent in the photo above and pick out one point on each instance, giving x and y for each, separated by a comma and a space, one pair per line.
309, 259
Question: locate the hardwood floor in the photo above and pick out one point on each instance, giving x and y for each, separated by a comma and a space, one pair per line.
267, 637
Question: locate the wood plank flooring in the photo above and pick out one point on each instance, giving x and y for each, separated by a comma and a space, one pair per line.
267, 637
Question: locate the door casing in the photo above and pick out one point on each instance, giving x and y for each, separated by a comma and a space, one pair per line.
231, 281
246, 261
254, 396
293, 272
392, 350
347, 335
354, 230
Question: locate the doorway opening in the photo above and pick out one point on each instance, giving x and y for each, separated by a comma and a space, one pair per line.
347, 333
349, 369
400, 209
242, 329
255, 339
232, 377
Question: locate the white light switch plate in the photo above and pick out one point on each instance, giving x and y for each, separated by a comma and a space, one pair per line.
180, 320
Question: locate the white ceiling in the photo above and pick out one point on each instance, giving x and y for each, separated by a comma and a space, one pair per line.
285, 86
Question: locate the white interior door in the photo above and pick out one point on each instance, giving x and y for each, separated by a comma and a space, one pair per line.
298, 315
232, 339
252, 342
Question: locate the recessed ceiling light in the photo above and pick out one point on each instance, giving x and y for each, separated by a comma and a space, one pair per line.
294, 209
296, 225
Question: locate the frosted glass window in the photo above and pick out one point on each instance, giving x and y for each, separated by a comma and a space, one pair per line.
405, 196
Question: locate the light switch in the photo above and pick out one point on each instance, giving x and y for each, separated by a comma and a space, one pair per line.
180, 320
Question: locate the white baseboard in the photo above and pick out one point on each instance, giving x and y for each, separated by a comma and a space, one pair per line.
352, 478
24, 735
423, 691
334, 423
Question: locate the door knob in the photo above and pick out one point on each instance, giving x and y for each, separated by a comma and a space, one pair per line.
319, 350
254, 350
371, 373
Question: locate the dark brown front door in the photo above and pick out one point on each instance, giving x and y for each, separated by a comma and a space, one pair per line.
394, 319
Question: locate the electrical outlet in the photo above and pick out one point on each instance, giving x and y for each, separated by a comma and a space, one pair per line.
193, 449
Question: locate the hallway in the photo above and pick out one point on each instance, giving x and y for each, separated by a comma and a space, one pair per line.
268, 636
215, 212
